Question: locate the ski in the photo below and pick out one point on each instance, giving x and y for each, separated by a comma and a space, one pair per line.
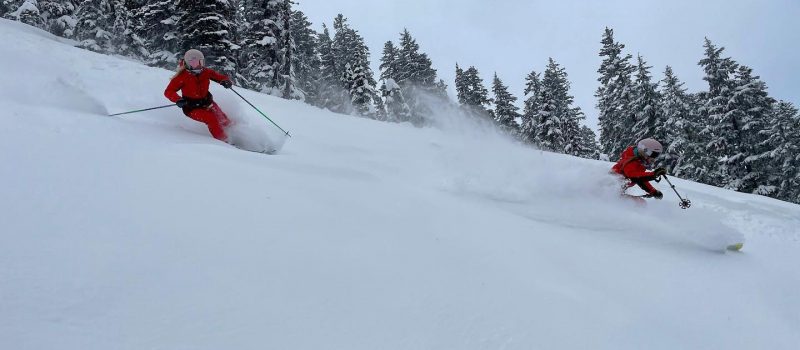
735, 247
270, 152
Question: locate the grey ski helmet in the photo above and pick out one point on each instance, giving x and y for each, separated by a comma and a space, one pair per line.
649, 148
194, 60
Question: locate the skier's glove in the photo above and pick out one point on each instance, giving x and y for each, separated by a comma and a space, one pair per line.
181, 103
657, 194
226, 84
660, 171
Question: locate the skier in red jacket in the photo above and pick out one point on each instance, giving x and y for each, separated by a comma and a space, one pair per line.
193, 79
633, 163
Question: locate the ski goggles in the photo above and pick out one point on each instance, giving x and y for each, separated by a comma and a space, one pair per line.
195, 66
195, 63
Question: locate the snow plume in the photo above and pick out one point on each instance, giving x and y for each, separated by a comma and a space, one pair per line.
479, 162
250, 130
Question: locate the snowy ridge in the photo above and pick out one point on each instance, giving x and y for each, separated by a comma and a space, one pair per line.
144, 232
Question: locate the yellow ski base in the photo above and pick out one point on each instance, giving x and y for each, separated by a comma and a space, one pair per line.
735, 247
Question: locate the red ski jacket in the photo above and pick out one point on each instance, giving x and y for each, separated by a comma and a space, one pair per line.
193, 87
633, 168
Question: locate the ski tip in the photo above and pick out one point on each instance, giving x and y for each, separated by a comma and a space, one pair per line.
735, 247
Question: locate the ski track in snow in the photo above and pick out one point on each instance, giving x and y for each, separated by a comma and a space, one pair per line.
142, 231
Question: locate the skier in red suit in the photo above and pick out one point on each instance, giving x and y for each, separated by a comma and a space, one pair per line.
192, 80
633, 163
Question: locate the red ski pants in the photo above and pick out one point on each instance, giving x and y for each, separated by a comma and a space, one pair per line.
214, 118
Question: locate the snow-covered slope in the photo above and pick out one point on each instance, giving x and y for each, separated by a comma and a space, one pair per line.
143, 232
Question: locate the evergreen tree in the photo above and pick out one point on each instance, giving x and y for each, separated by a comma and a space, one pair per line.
357, 80
305, 60
505, 112
461, 87
59, 16
331, 92
473, 96
412, 67
573, 134
587, 146
722, 128
380, 112
556, 119
107, 26
649, 121
351, 56
266, 47
533, 87
284, 76
206, 26
6, 6
679, 129
125, 40
157, 25
413, 71
25, 11
781, 146
397, 110
614, 98
696, 162
388, 65
95, 25
749, 168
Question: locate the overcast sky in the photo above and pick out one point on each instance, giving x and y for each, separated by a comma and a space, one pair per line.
513, 37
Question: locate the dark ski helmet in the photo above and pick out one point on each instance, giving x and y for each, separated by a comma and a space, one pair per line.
649, 148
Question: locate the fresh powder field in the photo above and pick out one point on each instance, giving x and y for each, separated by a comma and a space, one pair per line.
143, 232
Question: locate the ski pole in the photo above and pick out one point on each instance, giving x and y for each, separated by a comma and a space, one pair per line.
259, 111
142, 110
685, 202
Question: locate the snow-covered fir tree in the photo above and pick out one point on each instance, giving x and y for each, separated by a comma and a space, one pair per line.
781, 145
348, 46
533, 86
6, 6
557, 123
614, 97
305, 59
206, 26
331, 92
505, 112
388, 65
380, 112
573, 135
472, 94
749, 169
25, 11
95, 26
125, 40
679, 128
266, 51
284, 76
413, 71
460, 85
157, 25
723, 128
554, 109
695, 162
351, 54
649, 121
413, 67
397, 110
59, 16
587, 146
357, 80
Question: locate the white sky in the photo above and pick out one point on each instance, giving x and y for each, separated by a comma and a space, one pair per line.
512, 37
